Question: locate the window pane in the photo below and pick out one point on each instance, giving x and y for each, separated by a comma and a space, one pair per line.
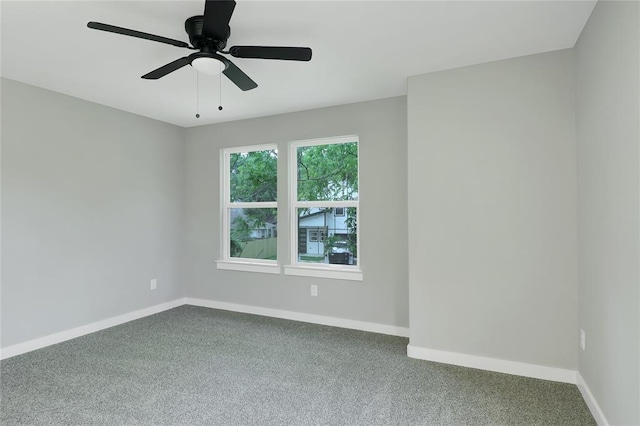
324, 237
253, 176
253, 233
328, 172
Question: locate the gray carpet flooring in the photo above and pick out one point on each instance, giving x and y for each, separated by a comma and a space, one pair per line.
200, 366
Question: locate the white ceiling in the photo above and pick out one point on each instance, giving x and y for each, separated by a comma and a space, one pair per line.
362, 50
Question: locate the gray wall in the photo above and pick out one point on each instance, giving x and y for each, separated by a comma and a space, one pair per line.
608, 73
92, 209
492, 210
383, 295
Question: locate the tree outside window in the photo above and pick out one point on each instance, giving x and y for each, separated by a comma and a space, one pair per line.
324, 203
250, 214
326, 196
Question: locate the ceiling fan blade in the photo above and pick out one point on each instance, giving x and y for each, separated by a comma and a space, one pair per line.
169, 68
134, 33
238, 77
217, 14
267, 52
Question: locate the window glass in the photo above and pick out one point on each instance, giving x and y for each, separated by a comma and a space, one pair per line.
327, 172
253, 233
323, 237
253, 176
250, 213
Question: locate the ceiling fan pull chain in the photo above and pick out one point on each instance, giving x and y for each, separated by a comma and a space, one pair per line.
197, 95
220, 89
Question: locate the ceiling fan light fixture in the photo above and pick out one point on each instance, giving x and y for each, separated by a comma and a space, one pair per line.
207, 65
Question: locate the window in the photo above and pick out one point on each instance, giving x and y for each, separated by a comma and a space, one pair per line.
249, 209
324, 207
317, 235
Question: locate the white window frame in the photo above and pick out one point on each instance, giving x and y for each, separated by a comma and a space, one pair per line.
335, 210
226, 261
345, 272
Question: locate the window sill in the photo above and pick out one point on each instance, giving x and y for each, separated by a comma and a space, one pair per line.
235, 265
324, 272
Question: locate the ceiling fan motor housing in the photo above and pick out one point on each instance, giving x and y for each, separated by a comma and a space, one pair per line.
193, 26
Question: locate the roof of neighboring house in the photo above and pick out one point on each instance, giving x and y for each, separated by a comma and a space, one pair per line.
313, 214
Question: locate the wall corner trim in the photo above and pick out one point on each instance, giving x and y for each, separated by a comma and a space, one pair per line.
596, 412
52, 339
303, 317
492, 364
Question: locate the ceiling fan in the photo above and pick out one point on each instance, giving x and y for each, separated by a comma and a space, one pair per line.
208, 35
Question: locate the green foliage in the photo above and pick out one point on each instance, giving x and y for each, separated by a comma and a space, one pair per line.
325, 172
328, 172
352, 230
316, 259
352, 235
253, 176
241, 229
236, 248
329, 242
246, 221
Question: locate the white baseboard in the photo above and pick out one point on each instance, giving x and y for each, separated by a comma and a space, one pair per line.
52, 339
596, 412
62, 336
492, 364
299, 316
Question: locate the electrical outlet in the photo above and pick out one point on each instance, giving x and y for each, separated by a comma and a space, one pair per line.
314, 290
154, 284
583, 338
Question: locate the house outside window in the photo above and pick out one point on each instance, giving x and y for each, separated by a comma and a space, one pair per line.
324, 204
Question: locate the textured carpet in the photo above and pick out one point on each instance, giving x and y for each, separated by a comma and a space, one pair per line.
200, 366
